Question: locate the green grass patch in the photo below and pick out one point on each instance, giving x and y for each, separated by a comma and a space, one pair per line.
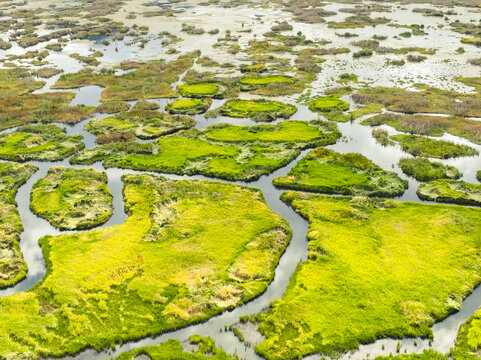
189, 106
468, 341
203, 349
166, 267
426, 147
451, 191
39, 142
12, 266
72, 199
200, 90
430, 125
426, 355
257, 110
330, 107
326, 171
224, 151
424, 170
145, 124
358, 285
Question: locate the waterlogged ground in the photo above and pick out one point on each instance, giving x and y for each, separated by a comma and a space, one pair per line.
172, 128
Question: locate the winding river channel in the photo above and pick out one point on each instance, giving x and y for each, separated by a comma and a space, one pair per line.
356, 138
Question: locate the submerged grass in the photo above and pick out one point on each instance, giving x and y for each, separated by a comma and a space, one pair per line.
12, 266
358, 285
326, 171
151, 80
224, 151
72, 199
166, 267
430, 125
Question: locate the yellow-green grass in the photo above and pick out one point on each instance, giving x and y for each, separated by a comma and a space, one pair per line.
451, 191
145, 124
258, 110
264, 80
167, 266
72, 199
151, 80
203, 349
424, 170
331, 107
196, 90
430, 125
326, 171
12, 266
189, 106
359, 284
468, 342
472, 41
368, 109
39, 142
224, 151
426, 147
41, 108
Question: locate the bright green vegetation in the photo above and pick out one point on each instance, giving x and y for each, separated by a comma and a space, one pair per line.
189, 106
45, 108
201, 90
151, 80
326, 171
39, 142
223, 151
166, 267
358, 285
257, 110
145, 124
113, 107
468, 341
72, 199
16, 82
424, 170
429, 100
12, 267
426, 355
426, 147
172, 350
451, 191
330, 107
254, 68
430, 125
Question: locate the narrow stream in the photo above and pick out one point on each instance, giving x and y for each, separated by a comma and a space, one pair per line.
356, 138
